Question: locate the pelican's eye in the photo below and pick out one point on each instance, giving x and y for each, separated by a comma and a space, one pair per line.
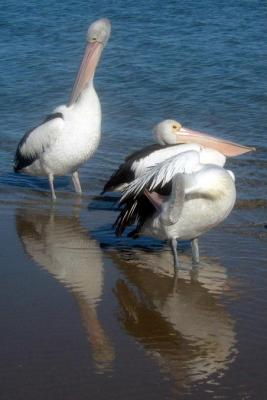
176, 127
93, 39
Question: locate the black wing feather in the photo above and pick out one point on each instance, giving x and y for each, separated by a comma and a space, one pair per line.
136, 210
144, 152
124, 173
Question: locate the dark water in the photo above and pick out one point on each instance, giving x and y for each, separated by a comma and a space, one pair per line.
86, 315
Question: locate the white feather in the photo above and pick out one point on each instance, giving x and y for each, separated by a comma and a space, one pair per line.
162, 173
140, 166
42, 137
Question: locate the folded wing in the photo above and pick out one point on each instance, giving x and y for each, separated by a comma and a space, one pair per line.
161, 174
37, 140
138, 163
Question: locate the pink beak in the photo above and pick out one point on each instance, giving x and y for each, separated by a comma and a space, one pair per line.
229, 149
87, 69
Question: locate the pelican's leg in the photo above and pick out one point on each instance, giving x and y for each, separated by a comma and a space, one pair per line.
173, 244
76, 182
51, 184
195, 250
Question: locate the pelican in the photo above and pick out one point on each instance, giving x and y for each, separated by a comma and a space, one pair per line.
183, 196
168, 135
71, 134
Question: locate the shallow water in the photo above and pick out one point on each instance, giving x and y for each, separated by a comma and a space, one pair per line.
86, 314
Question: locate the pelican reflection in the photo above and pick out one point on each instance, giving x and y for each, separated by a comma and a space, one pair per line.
59, 244
179, 322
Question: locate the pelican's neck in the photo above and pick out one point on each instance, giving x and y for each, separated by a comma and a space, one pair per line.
87, 96
86, 110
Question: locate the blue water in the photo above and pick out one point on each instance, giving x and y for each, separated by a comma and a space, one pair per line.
200, 62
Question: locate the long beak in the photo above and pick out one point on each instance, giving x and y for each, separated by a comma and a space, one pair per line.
87, 69
229, 149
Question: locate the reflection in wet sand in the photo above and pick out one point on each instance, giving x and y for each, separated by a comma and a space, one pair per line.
62, 246
179, 322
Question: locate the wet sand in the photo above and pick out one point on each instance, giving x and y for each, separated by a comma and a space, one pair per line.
86, 315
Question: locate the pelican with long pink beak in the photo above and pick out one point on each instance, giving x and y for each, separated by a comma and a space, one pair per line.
178, 188
169, 135
225, 147
69, 136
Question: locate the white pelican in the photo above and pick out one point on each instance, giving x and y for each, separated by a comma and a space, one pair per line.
184, 195
71, 134
168, 134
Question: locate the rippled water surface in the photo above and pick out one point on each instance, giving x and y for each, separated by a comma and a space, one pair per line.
87, 315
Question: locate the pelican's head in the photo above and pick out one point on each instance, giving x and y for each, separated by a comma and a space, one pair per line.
99, 31
97, 36
165, 132
170, 132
